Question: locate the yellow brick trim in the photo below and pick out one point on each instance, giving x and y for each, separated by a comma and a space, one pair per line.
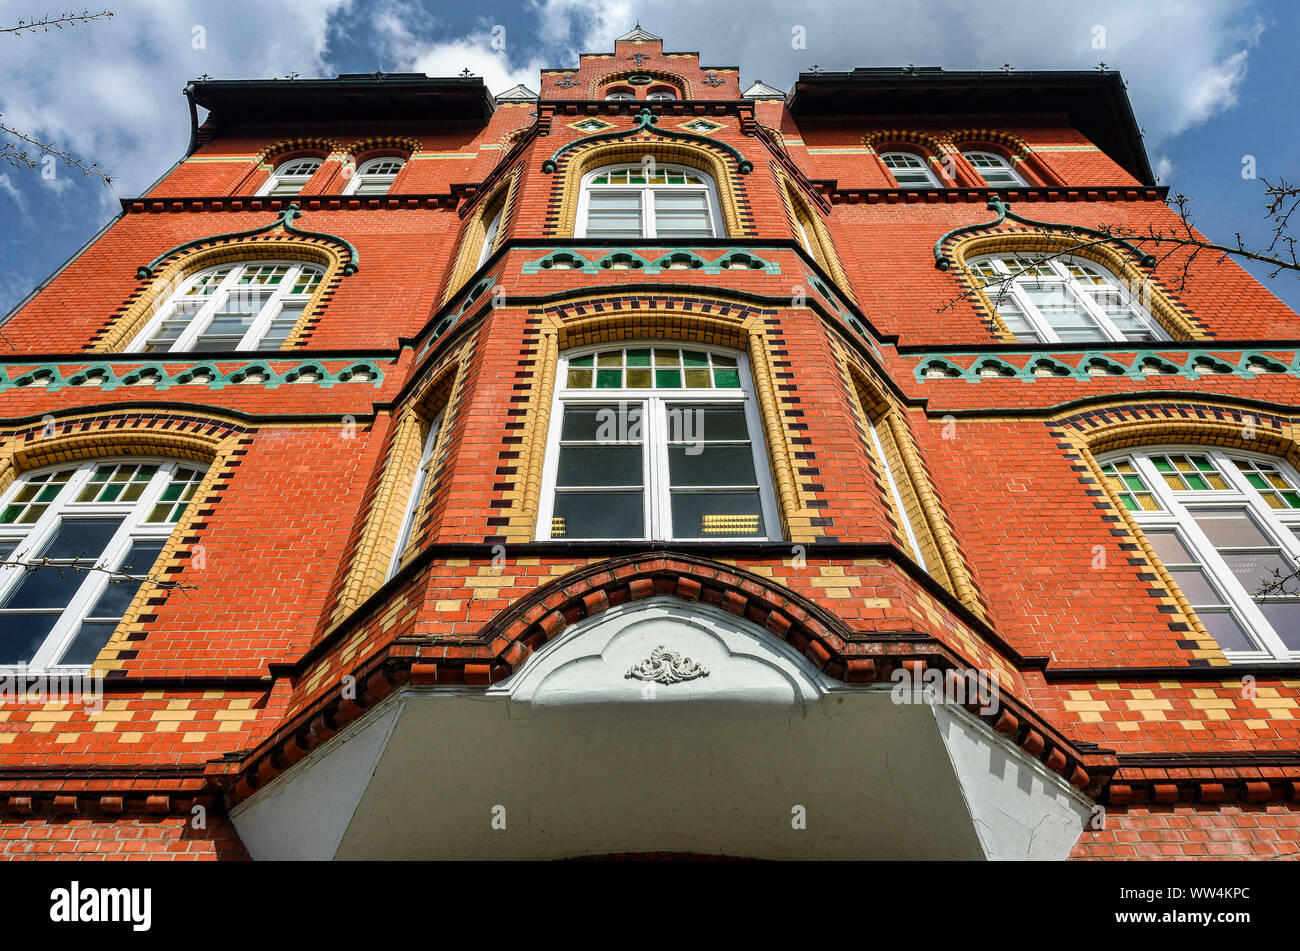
1214, 654
399, 142
132, 439
1017, 146
557, 335
1169, 315
658, 75
590, 157
802, 213
128, 325
502, 198
313, 143
923, 139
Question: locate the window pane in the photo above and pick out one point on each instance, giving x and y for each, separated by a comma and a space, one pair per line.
90, 640
703, 513
1230, 528
610, 422
51, 587
117, 595
599, 465
711, 465
83, 538
1226, 631
1285, 618
1170, 550
599, 515
21, 635
1196, 587
1254, 569
690, 422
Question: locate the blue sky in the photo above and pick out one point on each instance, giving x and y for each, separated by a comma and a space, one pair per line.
1211, 82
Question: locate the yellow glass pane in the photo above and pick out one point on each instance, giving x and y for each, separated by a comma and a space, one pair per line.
1174, 482
1274, 500
610, 358
667, 358
579, 378
1148, 503
1216, 481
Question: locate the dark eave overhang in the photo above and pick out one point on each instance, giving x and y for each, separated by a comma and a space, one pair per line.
351, 96
1096, 103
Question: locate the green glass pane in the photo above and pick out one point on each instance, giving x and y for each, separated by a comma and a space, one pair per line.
580, 378
9, 514
1257, 481
1162, 464
178, 512
693, 358
1133, 482
145, 473
110, 493
1129, 502
668, 378
639, 379
49, 493
172, 492
1204, 464
1197, 483
726, 378
609, 379
638, 358
101, 475
581, 361
1292, 499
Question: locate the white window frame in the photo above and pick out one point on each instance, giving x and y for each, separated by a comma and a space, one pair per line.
407, 525
908, 529
364, 174
620, 96
31, 538
1175, 515
258, 326
280, 177
657, 517
1014, 289
932, 180
1001, 164
646, 192
490, 237
663, 95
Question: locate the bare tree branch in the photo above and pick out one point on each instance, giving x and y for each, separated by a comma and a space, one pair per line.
58, 22
79, 566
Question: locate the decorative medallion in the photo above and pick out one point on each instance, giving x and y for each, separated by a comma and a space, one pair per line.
666, 667
568, 82
713, 79
640, 79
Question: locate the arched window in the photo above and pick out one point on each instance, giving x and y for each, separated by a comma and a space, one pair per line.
1062, 299
656, 440
661, 95
490, 235
374, 176
111, 514
648, 201
412, 509
909, 170
620, 95
290, 177
995, 170
1226, 526
249, 306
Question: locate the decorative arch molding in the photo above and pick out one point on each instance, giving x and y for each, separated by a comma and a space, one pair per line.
1116, 425
169, 270
801, 212
873, 403
873, 140
656, 75
326, 147
375, 143
717, 323
1019, 151
212, 440
502, 197
1126, 261
723, 163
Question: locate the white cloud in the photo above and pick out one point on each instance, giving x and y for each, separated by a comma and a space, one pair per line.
7, 187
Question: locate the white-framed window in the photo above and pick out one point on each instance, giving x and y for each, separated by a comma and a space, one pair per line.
112, 513
909, 170
374, 176
656, 440
417, 494
290, 177
490, 236
1223, 523
619, 96
995, 170
662, 95
648, 201
248, 306
1063, 300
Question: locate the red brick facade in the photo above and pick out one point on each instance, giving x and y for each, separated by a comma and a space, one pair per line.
1036, 570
